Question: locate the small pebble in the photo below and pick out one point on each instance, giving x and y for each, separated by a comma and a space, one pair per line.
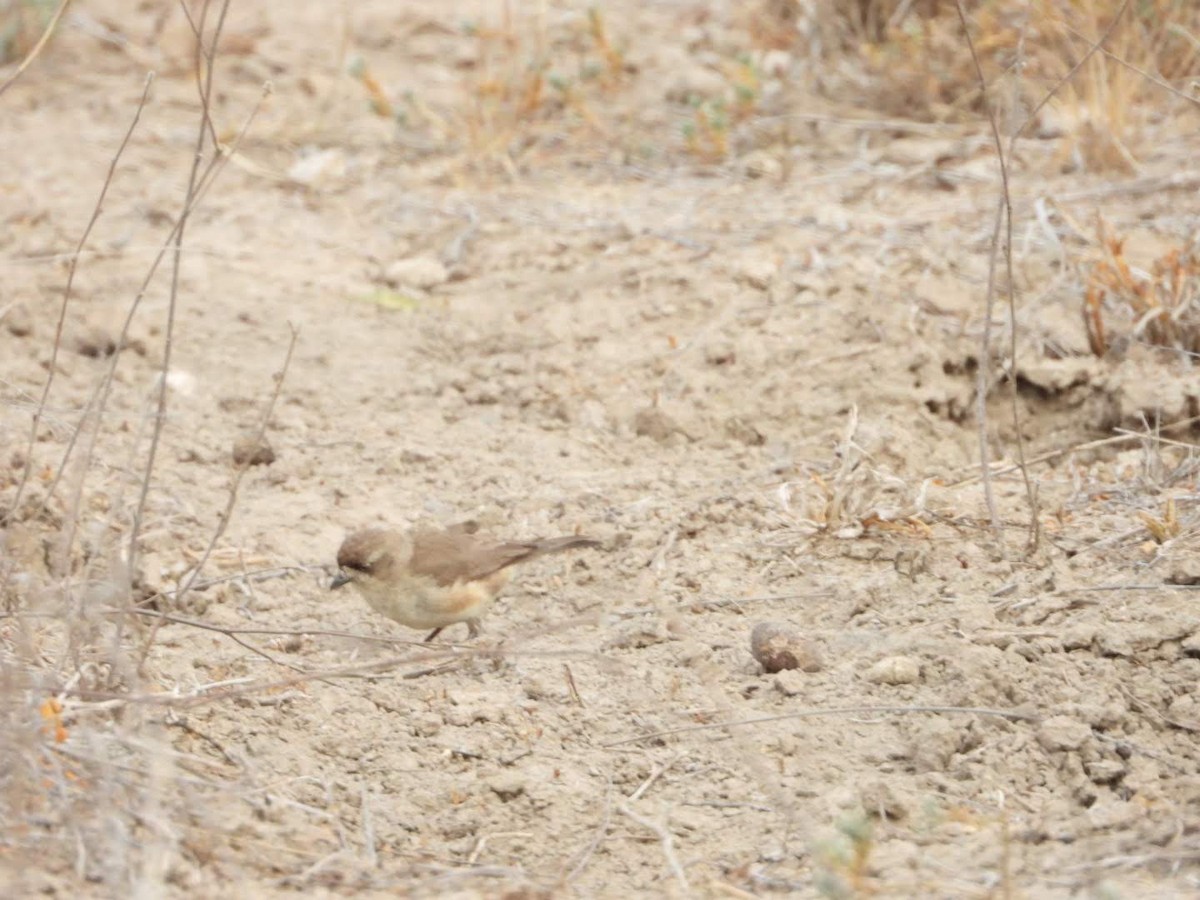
1185, 571
761, 164
18, 321
776, 63
1105, 771
1184, 712
1191, 645
757, 269
720, 353
419, 271
638, 635
507, 785
895, 670
741, 430
695, 83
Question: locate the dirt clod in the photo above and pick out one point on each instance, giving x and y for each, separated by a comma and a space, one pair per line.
95, 341
507, 785
422, 272
791, 682
251, 450
655, 424
778, 646
1059, 733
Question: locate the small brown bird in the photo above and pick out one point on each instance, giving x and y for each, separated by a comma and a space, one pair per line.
429, 578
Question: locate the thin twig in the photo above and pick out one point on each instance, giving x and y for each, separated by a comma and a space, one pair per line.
62, 312
667, 841
193, 184
273, 632
231, 500
259, 575
597, 838
1030, 489
432, 670
1122, 437
201, 55
1158, 82
836, 711
1158, 184
571, 688
482, 841
1098, 45
370, 844
242, 469
185, 725
37, 48
1183, 854
98, 402
983, 379
1004, 214
1031, 494
655, 774
241, 687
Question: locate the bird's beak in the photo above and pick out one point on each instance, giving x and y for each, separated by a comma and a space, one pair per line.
338, 580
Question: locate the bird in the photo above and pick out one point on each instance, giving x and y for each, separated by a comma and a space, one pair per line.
433, 578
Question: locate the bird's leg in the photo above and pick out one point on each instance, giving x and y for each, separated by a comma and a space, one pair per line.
473, 630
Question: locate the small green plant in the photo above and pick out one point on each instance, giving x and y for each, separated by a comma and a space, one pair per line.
529, 82
743, 75
844, 860
380, 105
706, 136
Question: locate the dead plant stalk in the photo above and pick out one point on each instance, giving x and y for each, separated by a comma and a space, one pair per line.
208, 55
73, 265
1004, 219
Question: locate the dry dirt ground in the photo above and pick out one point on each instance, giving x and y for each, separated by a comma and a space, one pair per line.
754, 380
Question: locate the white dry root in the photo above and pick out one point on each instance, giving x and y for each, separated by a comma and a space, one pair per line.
857, 493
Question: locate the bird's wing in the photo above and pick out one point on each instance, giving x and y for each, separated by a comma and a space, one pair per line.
456, 555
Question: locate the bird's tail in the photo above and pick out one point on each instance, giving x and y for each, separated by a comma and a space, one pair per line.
557, 545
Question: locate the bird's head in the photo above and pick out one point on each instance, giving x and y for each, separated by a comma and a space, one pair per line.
365, 555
